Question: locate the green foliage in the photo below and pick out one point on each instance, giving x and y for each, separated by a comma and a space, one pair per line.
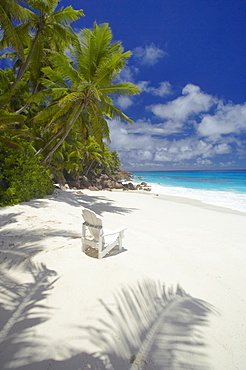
86, 98
113, 162
52, 104
21, 177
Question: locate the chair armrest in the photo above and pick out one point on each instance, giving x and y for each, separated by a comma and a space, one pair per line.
116, 231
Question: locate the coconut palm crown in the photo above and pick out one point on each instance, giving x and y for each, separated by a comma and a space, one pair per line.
82, 88
30, 26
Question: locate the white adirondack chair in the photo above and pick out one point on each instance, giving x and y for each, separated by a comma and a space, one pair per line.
95, 236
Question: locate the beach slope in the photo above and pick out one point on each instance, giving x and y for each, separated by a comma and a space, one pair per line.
174, 298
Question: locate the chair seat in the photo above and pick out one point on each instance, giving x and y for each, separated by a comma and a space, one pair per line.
109, 239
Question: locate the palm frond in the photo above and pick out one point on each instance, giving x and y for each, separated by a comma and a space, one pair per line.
113, 112
103, 37
23, 33
54, 117
57, 35
10, 36
98, 125
54, 78
47, 114
37, 58
16, 11
10, 143
122, 89
94, 48
72, 97
85, 63
66, 15
4, 98
43, 6
6, 77
10, 118
62, 64
109, 68
47, 95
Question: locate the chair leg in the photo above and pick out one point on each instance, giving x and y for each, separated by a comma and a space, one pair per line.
120, 242
100, 246
83, 246
83, 239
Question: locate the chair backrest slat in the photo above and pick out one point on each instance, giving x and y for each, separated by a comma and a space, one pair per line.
94, 222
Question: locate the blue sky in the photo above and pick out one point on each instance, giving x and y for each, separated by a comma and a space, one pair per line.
189, 58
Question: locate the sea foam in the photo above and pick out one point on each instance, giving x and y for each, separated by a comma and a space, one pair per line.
228, 199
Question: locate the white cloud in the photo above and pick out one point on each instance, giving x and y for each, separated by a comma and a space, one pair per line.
194, 105
128, 74
193, 102
188, 134
222, 148
139, 142
184, 149
164, 88
142, 126
203, 162
124, 102
227, 119
227, 164
148, 55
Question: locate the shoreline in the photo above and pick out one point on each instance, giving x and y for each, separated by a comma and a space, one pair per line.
196, 251
226, 192
195, 202
180, 199
196, 199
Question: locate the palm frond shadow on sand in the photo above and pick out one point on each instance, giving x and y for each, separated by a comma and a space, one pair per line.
146, 327
21, 309
149, 328
98, 203
21, 245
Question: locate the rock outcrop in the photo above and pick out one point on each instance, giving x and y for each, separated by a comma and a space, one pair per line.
119, 180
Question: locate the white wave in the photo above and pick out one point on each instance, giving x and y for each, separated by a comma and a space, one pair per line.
227, 199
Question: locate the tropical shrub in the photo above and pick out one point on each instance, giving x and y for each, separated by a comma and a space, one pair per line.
21, 177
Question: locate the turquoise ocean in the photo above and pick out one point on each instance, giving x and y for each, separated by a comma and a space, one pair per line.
224, 189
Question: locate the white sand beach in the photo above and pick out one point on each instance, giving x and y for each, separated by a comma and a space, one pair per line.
174, 298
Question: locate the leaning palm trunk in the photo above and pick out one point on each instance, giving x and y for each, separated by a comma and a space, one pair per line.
48, 143
69, 128
25, 65
90, 167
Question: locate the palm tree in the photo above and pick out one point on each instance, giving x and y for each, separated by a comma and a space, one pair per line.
40, 27
92, 155
82, 90
12, 37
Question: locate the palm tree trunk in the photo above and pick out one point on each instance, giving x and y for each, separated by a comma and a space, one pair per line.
48, 143
69, 128
27, 104
24, 66
89, 167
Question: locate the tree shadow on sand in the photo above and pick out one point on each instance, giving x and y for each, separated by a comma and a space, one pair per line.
24, 235
146, 328
19, 245
22, 309
98, 203
149, 328
8, 218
